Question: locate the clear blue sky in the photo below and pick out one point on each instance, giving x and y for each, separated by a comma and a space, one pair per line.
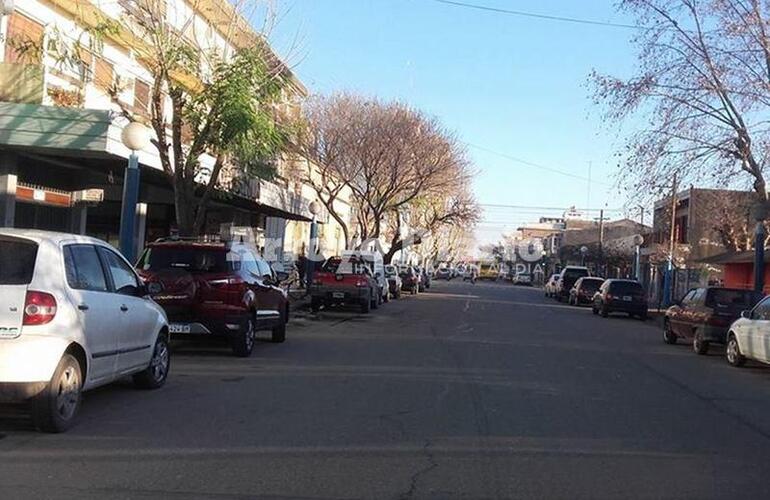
513, 85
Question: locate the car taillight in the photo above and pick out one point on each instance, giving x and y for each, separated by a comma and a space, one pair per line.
361, 283
317, 281
39, 308
227, 281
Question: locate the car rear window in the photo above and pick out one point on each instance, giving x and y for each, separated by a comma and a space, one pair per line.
732, 299
346, 266
17, 261
625, 287
572, 274
193, 259
591, 285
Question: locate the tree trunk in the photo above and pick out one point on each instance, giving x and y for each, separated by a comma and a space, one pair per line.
184, 203
394, 247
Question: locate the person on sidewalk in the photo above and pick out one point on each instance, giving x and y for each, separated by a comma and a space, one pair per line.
301, 265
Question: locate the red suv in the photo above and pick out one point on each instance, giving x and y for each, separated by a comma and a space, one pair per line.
216, 289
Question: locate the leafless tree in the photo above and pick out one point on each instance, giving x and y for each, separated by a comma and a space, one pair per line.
398, 164
702, 88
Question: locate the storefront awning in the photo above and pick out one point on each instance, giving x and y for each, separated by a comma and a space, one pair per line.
91, 139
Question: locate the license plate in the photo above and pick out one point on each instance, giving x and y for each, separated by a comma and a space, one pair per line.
177, 328
338, 295
627, 298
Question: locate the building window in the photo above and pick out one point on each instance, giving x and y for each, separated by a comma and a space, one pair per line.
141, 97
24, 40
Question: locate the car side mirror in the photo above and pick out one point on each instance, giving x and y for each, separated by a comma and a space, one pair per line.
746, 314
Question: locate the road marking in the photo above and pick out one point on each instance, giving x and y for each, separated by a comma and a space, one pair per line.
504, 449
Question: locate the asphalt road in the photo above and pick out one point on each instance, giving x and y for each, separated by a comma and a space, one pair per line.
485, 391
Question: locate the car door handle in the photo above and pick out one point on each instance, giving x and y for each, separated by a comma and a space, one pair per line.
124, 308
83, 307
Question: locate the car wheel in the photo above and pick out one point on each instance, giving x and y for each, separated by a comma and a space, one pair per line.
668, 335
699, 346
278, 334
733, 351
366, 305
605, 312
57, 405
154, 376
243, 341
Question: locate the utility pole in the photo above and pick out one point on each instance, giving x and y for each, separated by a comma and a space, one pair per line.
667, 278
601, 241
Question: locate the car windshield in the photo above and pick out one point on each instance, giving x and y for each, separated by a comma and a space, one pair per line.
195, 259
17, 261
733, 300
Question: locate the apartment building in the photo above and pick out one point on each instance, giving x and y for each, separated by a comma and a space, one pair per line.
61, 156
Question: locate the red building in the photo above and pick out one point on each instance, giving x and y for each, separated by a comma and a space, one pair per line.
738, 269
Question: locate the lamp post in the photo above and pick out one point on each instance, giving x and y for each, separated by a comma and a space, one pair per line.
583, 252
638, 241
135, 137
312, 251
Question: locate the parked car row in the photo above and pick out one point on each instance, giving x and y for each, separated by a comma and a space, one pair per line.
604, 296
359, 278
736, 318
75, 314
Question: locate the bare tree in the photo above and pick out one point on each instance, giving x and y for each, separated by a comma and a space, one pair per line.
396, 162
703, 87
326, 137
430, 214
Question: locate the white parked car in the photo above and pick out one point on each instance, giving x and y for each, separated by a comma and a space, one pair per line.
73, 316
749, 336
551, 284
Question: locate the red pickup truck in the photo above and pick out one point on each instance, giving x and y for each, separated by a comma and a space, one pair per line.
345, 280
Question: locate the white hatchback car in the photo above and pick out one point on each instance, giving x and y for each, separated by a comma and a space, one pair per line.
73, 316
749, 336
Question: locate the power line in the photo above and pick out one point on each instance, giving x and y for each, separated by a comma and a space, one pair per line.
548, 17
535, 165
495, 205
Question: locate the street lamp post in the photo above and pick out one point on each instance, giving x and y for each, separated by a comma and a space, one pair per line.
135, 137
312, 250
638, 240
583, 252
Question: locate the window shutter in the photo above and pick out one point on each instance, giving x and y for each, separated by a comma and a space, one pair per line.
141, 96
103, 74
22, 31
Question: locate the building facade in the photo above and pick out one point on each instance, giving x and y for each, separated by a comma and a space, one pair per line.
61, 157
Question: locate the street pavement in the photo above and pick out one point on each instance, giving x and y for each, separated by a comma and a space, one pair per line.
466, 391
